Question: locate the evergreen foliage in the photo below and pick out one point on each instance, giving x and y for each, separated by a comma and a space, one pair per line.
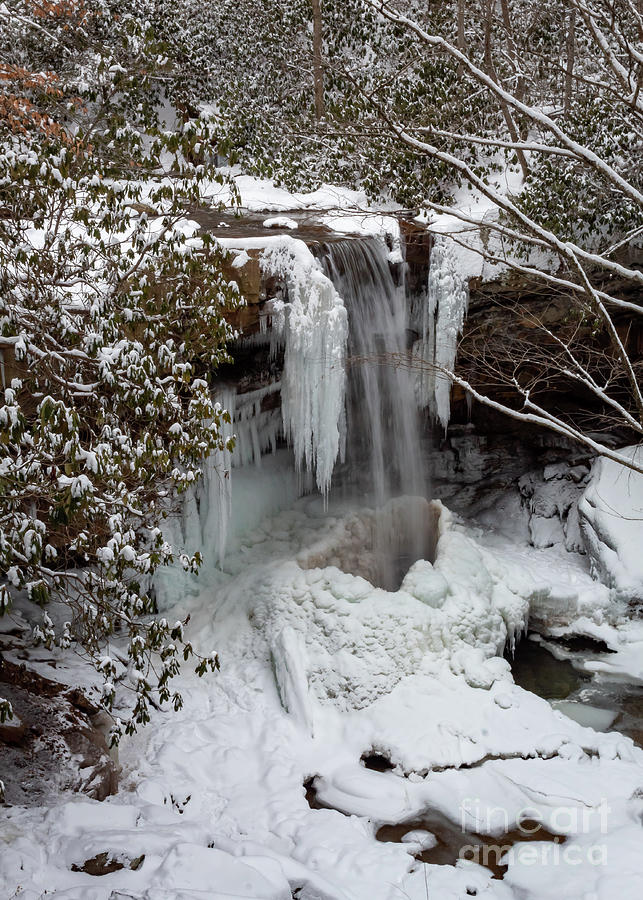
111, 325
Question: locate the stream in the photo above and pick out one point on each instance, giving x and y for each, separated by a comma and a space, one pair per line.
592, 701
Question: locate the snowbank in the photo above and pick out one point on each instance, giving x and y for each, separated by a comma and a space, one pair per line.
611, 519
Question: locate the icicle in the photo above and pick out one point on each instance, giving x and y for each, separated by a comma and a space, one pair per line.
313, 327
214, 493
443, 320
256, 430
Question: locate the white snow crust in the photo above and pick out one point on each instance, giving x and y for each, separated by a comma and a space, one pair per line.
319, 668
611, 516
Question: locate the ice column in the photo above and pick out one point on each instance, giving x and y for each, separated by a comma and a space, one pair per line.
313, 327
442, 322
214, 491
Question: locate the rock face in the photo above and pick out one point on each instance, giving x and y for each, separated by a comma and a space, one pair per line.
611, 521
54, 742
477, 470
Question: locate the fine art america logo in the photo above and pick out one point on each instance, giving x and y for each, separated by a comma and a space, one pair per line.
531, 839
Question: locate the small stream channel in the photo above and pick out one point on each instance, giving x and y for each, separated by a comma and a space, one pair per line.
435, 839
589, 700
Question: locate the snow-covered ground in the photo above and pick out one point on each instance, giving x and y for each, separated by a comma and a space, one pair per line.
319, 669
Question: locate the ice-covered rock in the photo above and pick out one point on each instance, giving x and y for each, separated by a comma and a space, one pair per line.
551, 499
611, 520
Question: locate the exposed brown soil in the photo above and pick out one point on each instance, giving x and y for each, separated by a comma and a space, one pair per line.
453, 842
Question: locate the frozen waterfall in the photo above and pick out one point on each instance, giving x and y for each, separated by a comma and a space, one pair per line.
310, 324
441, 322
351, 390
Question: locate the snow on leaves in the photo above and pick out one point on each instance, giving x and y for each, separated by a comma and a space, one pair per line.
111, 324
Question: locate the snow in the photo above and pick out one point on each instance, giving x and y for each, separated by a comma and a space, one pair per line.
281, 222
611, 519
262, 195
441, 325
368, 224
318, 668
240, 260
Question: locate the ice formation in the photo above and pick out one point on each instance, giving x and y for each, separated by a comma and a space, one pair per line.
360, 641
207, 518
314, 330
255, 432
256, 429
441, 323
312, 326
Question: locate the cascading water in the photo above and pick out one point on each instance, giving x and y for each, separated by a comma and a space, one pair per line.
383, 448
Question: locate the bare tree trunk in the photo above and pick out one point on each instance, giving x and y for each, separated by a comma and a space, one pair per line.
462, 41
318, 72
511, 47
571, 52
491, 71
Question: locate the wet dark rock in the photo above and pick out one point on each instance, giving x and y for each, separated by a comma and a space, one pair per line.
311, 794
454, 843
581, 643
104, 864
377, 762
13, 730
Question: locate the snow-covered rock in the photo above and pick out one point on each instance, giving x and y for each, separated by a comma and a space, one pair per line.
281, 222
611, 520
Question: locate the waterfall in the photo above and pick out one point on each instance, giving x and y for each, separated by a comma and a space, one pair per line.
348, 394
382, 413
383, 447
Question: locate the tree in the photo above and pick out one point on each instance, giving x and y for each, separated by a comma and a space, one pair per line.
111, 325
318, 70
257, 65
581, 204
